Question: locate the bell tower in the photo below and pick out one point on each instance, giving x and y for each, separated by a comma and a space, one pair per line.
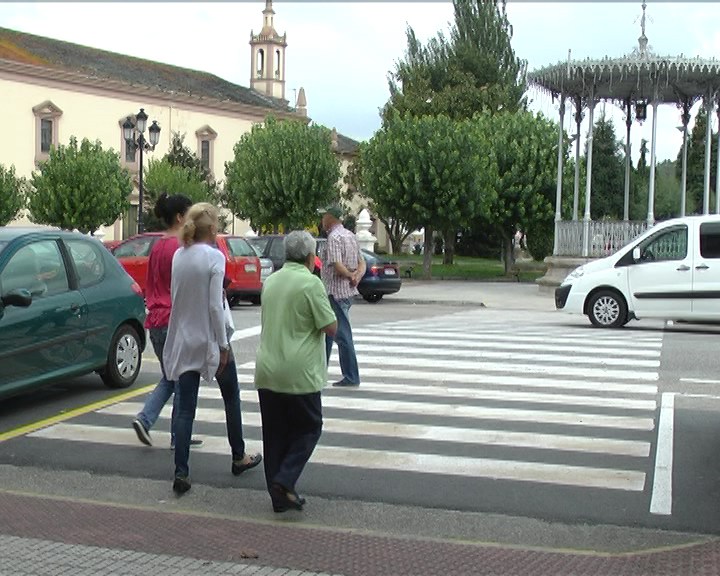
267, 54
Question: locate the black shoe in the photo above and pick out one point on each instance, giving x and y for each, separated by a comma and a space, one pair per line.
143, 433
238, 467
345, 384
193, 442
181, 485
282, 501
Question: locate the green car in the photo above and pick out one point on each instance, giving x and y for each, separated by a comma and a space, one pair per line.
67, 308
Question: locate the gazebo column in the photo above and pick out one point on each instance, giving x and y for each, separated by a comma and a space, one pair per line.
576, 190
709, 104
588, 178
653, 147
558, 193
628, 124
717, 173
685, 117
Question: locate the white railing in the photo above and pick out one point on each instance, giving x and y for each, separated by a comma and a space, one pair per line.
605, 237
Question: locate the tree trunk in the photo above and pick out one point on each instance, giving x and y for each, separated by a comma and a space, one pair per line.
449, 242
427, 257
508, 255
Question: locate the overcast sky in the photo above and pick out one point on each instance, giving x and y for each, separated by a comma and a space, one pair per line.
341, 52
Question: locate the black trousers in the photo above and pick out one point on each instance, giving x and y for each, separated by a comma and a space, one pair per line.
291, 428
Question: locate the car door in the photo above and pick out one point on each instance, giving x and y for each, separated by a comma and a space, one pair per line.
706, 273
42, 341
134, 254
660, 281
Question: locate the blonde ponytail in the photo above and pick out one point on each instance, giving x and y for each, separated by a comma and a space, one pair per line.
199, 221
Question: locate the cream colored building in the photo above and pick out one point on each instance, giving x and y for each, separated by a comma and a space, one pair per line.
53, 90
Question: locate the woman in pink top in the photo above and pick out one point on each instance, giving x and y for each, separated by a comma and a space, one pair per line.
171, 211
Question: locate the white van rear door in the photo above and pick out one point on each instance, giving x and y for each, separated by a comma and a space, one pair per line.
660, 283
706, 273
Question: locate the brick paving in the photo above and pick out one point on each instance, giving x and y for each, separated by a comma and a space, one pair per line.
63, 536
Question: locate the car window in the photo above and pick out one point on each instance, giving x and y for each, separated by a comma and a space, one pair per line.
667, 245
37, 267
239, 247
134, 248
277, 249
88, 260
710, 240
260, 245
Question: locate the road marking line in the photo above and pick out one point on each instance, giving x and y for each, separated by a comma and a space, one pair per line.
245, 333
568, 475
524, 355
461, 411
661, 501
34, 426
567, 443
699, 381
484, 379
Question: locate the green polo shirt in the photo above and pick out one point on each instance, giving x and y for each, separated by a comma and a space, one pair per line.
291, 356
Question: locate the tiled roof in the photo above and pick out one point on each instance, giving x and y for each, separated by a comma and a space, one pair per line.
346, 145
41, 51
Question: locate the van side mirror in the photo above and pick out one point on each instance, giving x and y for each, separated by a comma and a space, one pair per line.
19, 297
636, 254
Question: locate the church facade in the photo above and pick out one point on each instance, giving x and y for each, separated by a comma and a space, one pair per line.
53, 90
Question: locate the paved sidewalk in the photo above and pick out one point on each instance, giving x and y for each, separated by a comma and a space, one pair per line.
83, 524
495, 295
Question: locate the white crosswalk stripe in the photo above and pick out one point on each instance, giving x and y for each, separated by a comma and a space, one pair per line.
459, 380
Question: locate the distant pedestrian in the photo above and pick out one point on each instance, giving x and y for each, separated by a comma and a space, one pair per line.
170, 210
290, 369
342, 270
197, 342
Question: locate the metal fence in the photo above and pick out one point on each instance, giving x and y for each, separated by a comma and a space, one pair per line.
604, 237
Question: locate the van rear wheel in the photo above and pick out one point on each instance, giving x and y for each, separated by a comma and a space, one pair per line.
607, 309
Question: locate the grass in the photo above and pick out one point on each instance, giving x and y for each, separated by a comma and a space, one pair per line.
467, 268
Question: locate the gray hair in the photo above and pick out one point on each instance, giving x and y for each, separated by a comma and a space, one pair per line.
298, 245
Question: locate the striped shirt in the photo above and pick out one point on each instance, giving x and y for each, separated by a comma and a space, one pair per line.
342, 246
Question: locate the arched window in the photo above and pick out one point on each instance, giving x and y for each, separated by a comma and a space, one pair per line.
277, 64
260, 62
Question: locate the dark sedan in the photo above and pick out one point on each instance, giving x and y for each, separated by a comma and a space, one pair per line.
381, 277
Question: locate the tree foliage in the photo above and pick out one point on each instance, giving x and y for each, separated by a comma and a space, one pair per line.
178, 172
473, 69
608, 172
430, 172
696, 165
524, 149
13, 191
81, 187
281, 173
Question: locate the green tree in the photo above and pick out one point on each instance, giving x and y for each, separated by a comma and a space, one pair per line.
180, 171
429, 172
13, 192
608, 172
667, 191
81, 187
525, 149
696, 165
640, 181
281, 173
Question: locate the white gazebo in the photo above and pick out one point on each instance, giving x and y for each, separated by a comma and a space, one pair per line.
638, 81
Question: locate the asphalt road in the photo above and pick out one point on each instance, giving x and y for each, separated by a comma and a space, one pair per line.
524, 413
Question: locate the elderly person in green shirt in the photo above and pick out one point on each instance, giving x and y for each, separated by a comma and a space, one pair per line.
291, 369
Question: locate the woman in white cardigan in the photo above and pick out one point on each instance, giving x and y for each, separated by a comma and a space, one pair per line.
197, 342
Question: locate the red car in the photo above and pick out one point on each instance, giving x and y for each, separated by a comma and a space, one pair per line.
242, 266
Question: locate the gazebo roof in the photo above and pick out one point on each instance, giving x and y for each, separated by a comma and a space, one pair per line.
633, 77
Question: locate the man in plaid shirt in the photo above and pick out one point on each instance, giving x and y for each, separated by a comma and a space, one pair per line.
343, 267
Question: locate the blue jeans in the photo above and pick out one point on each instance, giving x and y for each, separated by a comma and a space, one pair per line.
188, 384
162, 392
344, 339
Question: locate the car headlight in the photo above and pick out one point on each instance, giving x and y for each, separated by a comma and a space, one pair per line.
575, 274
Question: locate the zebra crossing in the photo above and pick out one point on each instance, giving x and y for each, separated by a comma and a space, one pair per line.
544, 403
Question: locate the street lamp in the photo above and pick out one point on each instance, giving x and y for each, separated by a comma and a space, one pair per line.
130, 129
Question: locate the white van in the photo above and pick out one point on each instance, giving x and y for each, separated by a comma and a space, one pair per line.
671, 272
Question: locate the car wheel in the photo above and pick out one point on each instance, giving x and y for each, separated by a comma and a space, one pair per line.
233, 301
373, 298
607, 309
124, 357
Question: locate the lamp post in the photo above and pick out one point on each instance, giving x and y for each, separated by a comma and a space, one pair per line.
130, 129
